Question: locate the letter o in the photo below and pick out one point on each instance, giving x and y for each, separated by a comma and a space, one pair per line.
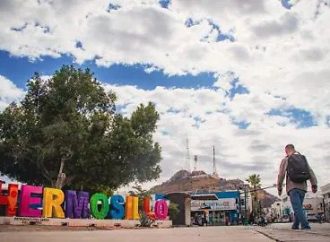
161, 209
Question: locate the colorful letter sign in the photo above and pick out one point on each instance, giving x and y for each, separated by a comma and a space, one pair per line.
99, 205
30, 201
161, 209
36, 201
76, 207
117, 207
53, 199
9, 200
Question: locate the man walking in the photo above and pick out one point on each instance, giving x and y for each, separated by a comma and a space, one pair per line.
297, 171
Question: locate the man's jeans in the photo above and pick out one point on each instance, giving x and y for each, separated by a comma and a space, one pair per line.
297, 198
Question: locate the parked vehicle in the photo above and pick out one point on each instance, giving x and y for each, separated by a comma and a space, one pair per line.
312, 217
285, 219
199, 219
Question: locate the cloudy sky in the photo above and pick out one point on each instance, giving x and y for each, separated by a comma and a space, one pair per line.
245, 76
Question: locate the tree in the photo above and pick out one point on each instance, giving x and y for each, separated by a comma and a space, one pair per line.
140, 192
66, 132
173, 210
254, 182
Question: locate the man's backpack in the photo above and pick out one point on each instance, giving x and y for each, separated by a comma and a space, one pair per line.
298, 169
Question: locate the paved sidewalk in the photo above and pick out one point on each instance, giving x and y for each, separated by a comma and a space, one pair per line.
195, 234
283, 232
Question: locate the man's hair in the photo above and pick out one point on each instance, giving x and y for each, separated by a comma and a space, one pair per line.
289, 146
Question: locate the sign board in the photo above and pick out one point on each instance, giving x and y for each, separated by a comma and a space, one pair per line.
221, 204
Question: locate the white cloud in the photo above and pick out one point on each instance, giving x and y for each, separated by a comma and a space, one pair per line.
288, 24
8, 92
239, 152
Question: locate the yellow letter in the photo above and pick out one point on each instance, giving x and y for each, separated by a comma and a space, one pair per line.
136, 208
52, 200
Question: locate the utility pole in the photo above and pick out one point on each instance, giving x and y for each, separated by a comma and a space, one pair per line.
244, 188
245, 200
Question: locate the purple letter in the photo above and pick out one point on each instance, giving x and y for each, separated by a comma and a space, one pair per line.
76, 207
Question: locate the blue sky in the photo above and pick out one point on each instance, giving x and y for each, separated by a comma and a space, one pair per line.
20, 69
245, 77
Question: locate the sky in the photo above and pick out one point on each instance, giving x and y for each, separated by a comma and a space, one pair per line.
247, 77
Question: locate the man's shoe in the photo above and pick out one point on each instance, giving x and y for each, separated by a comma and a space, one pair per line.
294, 227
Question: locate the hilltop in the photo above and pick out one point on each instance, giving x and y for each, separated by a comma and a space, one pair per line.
200, 181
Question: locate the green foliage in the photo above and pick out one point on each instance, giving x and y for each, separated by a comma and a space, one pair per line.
254, 181
173, 210
69, 121
141, 194
145, 220
139, 191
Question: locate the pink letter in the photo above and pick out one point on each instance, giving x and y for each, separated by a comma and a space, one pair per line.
30, 196
161, 209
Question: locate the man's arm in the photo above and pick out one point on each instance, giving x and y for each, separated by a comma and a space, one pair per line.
312, 179
281, 175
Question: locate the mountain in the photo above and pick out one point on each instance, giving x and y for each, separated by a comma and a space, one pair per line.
200, 181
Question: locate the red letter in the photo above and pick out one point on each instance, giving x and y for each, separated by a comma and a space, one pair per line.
9, 200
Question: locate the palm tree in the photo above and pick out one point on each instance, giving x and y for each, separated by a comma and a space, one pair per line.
254, 182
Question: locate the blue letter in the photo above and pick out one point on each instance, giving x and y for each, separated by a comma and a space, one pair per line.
117, 207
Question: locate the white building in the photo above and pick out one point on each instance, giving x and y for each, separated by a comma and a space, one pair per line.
326, 195
281, 211
275, 210
313, 205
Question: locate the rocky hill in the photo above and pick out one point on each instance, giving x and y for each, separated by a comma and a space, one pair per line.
199, 181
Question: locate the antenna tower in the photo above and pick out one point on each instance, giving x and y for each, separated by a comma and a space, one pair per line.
187, 155
215, 173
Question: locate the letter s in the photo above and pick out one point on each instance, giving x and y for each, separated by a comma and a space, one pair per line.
117, 207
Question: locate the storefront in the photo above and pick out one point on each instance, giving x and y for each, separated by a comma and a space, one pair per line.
220, 208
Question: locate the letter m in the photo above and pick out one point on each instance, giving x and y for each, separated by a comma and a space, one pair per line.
76, 206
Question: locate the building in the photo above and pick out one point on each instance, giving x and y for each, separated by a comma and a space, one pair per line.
183, 202
313, 206
218, 208
275, 213
326, 195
